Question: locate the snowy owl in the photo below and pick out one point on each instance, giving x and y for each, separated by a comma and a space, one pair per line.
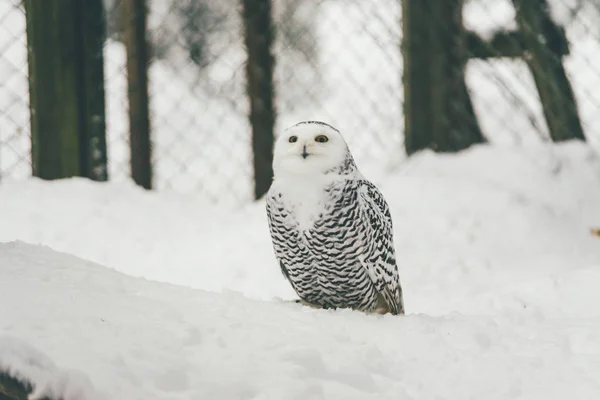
331, 228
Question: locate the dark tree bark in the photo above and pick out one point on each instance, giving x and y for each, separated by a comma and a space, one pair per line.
15, 389
66, 88
545, 43
438, 111
134, 19
259, 69
91, 18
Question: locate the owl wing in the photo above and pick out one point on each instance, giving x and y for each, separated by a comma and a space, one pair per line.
285, 240
378, 240
275, 216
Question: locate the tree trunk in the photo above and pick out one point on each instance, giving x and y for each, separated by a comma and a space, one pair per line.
544, 43
438, 111
134, 18
66, 88
91, 19
259, 70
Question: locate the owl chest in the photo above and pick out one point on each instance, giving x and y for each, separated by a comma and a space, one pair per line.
321, 223
330, 238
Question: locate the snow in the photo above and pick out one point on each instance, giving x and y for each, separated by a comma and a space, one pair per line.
108, 291
164, 296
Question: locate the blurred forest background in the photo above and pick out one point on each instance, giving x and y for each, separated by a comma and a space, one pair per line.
189, 95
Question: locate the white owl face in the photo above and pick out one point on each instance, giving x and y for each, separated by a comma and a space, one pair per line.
308, 148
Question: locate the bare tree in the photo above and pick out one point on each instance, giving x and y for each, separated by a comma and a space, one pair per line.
66, 88
437, 107
259, 71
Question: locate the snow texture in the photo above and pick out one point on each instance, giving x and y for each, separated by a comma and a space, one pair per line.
499, 269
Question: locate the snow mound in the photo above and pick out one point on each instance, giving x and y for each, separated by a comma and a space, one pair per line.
499, 270
464, 223
140, 339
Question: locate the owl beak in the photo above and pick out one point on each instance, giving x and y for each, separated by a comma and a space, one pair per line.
304, 153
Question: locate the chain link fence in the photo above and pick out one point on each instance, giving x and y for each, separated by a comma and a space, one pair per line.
15, 158
339, 61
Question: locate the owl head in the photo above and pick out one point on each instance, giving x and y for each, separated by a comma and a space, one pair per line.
311, 147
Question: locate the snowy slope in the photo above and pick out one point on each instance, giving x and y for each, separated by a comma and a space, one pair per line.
507, 213
499, 270
136, 339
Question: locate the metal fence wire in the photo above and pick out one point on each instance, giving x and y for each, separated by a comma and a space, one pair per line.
15, 159
340, 61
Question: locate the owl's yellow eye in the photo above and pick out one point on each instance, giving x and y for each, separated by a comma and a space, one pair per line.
321, 139
293, 139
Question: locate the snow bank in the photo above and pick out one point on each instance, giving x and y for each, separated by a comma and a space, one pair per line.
499, 269
138, 339
491, 215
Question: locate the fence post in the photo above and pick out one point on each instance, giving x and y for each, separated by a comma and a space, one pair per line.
437, 107
66, 88
134, 18
259, 69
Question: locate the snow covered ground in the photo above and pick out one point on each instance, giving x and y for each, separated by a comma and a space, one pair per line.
161, 296
108, 291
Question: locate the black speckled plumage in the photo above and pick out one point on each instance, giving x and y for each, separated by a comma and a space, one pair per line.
345, 257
